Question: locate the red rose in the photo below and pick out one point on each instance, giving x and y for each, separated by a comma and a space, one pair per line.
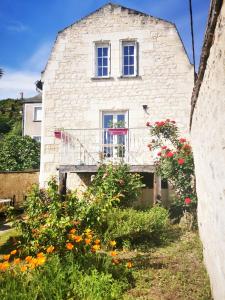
181, 161
148, 124
182, 140
169, 154
187, 201
164, 147
161, 123
159, 153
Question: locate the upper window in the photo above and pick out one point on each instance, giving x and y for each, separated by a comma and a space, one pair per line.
102, 60
129, 59
38, 113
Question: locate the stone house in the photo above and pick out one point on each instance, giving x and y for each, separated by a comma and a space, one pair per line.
116, 67
32, 117
208, 141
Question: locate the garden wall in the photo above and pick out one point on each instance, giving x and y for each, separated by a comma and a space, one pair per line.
208, 140
17, 183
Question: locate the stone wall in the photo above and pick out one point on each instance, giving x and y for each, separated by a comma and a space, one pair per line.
208, 139
18, 184
73, 99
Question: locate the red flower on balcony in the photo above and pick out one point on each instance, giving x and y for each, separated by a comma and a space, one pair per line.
187, 201
159, 153
181, 161
148, 124
169, 154
182, 140
164, 147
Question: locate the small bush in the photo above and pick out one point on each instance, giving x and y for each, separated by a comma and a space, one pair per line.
134, 227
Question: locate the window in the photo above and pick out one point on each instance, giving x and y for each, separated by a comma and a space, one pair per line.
102, 60
37, 113
37, 138
129, 58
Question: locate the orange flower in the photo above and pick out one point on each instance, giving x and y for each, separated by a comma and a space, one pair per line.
28, 259
96, 247
41, 254
112, 243
72, 231
77, 238
113, 253
115, 261
97, 242
16, 261
4, 266
69, 246
50, 249
129, 265
89, 236
6, 257
13, 252
23, 268
87, 241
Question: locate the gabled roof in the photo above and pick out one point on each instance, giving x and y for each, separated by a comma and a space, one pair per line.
35, 99
115, 5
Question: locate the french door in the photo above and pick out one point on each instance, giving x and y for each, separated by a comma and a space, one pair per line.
114, 142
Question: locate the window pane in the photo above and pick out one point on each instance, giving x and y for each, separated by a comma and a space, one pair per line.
105, 51
131, 70
37, 113
131, 50
99, 52
99, 62
131, 60
99, 71
125, 50
105, 71
107, 121
105, 62
126, 70
121, 118
126, 60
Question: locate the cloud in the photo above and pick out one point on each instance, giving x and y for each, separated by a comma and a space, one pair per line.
17, 26
15, 81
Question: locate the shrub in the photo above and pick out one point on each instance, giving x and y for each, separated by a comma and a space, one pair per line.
134, 227
116, 181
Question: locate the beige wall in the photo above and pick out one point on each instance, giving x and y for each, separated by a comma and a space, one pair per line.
17, 183
71, 99
208, 139
31, 127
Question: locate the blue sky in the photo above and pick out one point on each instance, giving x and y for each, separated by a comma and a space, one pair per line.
28, 29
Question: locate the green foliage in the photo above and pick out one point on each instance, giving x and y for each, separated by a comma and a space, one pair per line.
19, 153
135, 227
63, 279
175, 162
10, 117
116, 182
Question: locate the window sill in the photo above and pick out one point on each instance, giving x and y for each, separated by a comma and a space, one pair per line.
102, 78
37, 121
130, 77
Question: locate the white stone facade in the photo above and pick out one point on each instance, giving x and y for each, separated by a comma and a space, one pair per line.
208, 140
72, 99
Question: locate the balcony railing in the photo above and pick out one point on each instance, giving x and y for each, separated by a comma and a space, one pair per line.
85, 147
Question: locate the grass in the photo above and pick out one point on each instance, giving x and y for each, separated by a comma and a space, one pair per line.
174, 271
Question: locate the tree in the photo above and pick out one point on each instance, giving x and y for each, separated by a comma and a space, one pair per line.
19, 153
1, 72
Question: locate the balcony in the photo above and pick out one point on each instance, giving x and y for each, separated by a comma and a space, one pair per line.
82, 150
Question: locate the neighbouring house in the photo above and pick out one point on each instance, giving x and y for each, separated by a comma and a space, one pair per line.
208, 140
116, 67
32, 117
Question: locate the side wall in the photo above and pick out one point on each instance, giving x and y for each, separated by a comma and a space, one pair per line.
208, 138
17, 183
31, 127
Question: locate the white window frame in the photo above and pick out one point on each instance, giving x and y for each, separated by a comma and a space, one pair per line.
129, 43
35, 114
101, 45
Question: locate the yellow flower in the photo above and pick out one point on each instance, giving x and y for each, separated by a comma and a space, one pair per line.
13, 252
113, 253
28, 259
112, 243
4, 266
6, 257
96, 247
40, 254
41, 261
23, 268
16, 261
89, 236
88, 231
69, 246
78, 238
129, 265
50, 249
97, 242
87, 241
72, 231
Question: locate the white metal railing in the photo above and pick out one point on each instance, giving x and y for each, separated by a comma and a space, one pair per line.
92, 146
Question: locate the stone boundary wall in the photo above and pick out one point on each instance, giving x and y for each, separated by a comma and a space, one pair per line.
17, 183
